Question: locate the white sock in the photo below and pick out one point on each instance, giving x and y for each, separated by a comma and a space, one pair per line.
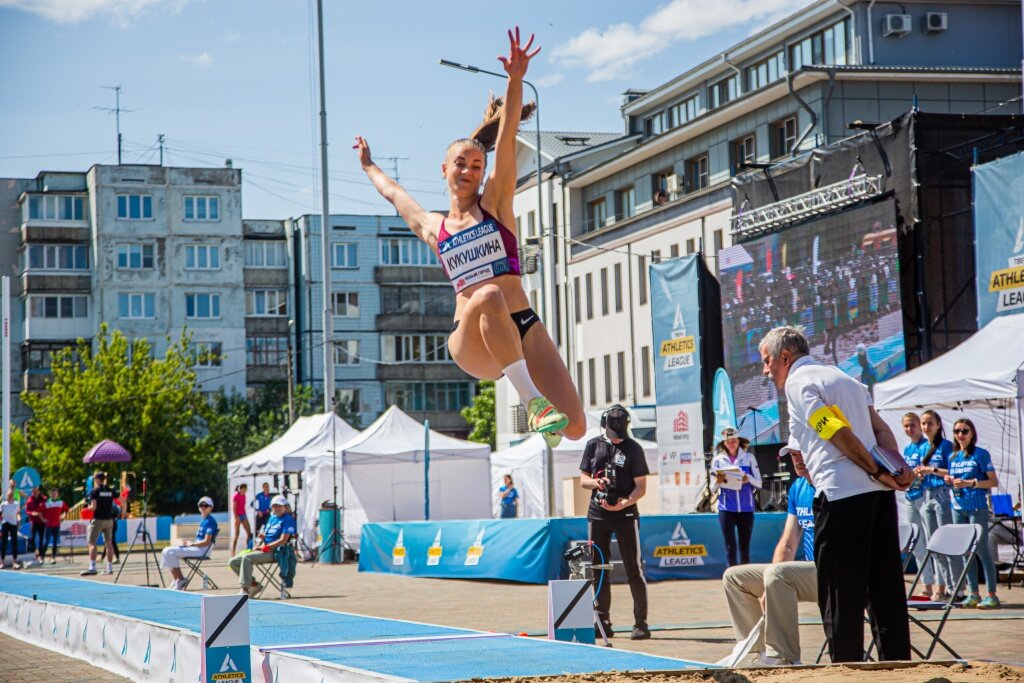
519, 375
110, 566
92, 565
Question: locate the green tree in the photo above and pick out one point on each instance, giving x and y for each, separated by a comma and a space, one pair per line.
113, 388
481, 415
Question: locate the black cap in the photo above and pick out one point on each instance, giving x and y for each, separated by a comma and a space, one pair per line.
616, 422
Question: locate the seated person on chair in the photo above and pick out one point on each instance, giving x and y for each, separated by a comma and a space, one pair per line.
773, 590
200, 547
278, 530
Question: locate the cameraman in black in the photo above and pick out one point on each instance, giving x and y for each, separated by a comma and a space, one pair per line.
615, 469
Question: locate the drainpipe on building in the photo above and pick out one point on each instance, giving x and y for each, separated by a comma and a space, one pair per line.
871, 35
855, 38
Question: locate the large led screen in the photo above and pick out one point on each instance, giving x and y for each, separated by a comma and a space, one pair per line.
838, 279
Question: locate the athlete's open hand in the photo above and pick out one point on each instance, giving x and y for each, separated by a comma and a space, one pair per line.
519, 55
362, 148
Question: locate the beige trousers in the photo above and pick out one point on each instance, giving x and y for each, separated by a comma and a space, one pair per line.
242, 565
783, 585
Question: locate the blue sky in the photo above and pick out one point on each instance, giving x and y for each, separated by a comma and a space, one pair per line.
237, 79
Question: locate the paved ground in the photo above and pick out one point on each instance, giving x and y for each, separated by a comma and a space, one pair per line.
689, 618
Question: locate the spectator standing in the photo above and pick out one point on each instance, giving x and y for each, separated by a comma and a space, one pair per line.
735, 505
238, 509
277, 532
913, 501
206, 536
856, 544
972, 475
261, 503
53, 513
10, 516
509, 499
101, 503
938, 506
34, 511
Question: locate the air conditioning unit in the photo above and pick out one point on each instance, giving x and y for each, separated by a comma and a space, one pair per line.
674, 183
896, 25
934, 22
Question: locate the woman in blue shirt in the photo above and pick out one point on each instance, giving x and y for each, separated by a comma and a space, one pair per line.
937, 508
206, 535
733, 464
914, 500
509, 499
972, 475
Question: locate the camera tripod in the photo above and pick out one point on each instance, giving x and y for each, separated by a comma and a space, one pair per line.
707, 497
582, 567
147, 542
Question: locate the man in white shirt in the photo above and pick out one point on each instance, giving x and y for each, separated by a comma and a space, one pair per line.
856, 545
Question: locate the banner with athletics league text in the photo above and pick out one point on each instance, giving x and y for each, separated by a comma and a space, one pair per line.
999, 237
675, 312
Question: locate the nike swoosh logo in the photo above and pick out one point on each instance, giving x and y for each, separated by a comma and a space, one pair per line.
523, 321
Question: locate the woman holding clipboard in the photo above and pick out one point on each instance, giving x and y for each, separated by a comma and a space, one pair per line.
736, 476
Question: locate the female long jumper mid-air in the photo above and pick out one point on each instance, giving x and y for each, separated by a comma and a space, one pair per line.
495, 331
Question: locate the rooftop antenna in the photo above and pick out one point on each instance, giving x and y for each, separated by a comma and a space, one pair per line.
116, 109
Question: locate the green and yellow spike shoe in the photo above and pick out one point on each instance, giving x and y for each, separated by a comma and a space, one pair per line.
542, 417
552, 439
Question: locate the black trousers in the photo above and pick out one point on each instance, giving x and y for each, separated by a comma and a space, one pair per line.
37, 534
857, 554
261, 521
733, 523
8, 532
627, 533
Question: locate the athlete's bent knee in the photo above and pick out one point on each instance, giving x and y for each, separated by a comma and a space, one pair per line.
489, 299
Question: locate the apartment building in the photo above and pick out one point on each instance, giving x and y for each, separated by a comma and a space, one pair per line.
784, 91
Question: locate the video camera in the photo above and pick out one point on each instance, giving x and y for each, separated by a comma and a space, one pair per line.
611, 485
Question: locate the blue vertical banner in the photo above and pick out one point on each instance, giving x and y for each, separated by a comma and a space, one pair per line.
999, 236
675, 310
723, 405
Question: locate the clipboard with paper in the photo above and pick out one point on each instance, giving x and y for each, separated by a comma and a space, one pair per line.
733, 478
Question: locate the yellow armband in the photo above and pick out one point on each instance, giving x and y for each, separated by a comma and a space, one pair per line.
827, 421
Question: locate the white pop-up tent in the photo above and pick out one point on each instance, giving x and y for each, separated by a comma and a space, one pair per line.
287, 454
380, 475
982, 380
526, 462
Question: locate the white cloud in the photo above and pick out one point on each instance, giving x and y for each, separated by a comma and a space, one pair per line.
550, 80
122, 12
203, 60
611, 54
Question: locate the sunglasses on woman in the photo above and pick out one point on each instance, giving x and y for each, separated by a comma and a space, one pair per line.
961, 431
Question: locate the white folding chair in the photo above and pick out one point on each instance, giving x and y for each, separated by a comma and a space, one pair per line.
194, 565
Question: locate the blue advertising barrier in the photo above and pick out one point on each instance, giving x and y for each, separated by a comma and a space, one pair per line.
531, 550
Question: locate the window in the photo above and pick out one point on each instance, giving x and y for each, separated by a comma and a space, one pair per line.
56, 207
198, 208
766, 71
415, 348
641, 284
621, 360
717, 235
531, 224
202, 257
134, 256
691, 245
830, 46
576, 298
659, 181
604, 291
683, 112
429, 396
656, 256
135, 206
266, 254
136, 305
202, 306
607, 378
344, 255
266, 351
783, 137
645, 369
592, 375
346, 304
579, 378
617, 284
348, 400
266, 302
723, 91
625, 202
207, 354
57, 257
742, 151
697, 172
597, 214
59, 306
657, 124
38, 356
590, 296
399, 252
673, 251
346, 352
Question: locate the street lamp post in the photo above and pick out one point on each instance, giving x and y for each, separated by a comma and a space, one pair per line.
547, 254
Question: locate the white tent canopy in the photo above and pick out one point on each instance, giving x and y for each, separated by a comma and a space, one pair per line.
982, 380
526, 463
380, 477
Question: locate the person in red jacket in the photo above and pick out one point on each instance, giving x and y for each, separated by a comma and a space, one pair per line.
54, 510
34, 511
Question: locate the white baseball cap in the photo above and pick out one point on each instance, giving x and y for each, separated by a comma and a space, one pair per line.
279, 500
205, 500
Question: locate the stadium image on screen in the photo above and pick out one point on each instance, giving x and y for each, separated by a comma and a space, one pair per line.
838, 279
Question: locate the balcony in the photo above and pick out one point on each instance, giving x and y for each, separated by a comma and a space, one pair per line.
34, 380
397, 275
446, 422
265, 277
412, 322
422, 372
67, 232
264, 374
41, 281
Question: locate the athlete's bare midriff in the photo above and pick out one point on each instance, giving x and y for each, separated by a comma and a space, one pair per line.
511, 287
